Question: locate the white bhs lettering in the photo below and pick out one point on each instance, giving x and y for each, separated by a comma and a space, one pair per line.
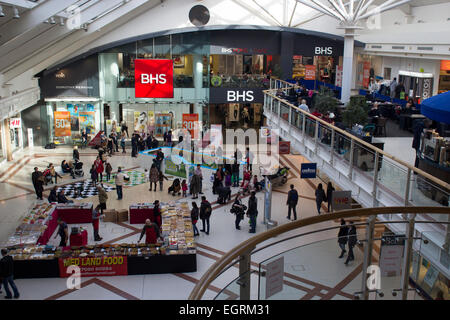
245, 96
324, 50
150, 78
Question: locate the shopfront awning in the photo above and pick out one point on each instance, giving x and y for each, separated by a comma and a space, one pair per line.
437, 108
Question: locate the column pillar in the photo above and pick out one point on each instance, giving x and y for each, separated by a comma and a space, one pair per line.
198, 85
349, 42
9, 156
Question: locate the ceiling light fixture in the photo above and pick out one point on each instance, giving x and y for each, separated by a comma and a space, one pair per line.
2, 14
16, 13
61, 22
52, 20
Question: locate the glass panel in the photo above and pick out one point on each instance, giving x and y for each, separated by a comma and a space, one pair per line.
426, 193
233, 290
310, 127
162, 47
145, 49
324, 135
364, 159
393, 177
285, 111
312, 276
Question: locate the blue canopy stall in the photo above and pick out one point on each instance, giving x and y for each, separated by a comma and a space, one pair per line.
437, 108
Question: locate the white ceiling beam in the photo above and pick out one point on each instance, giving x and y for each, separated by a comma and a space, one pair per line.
312, 5
382, 8
81, 38
258, 14
336, 6
24, 4
363, 9
268, 13
24, 38
335, 14
293, 12
32, 18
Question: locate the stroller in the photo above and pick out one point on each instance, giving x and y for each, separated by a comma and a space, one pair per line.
280, 177
78, 169
175, 187
47, 176
224, 194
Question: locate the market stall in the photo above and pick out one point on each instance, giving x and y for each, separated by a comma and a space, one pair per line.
73, 213
140, 212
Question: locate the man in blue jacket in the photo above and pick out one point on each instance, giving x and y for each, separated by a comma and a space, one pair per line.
292, 201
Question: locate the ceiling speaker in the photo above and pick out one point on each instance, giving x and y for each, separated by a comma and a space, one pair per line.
199, 15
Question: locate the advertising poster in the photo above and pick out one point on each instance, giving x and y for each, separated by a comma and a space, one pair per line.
173, 169
366, 74
284, 147
87, 122
265, 132
308, 170
190, 123
90, 108
233, 112
163, 123
310, 72
95, 267
274, 277
62, 124
74, 121
339, 73
342, 200
140, 121
216, 136
391, 260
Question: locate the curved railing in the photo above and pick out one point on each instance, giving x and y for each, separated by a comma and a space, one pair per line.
242, 253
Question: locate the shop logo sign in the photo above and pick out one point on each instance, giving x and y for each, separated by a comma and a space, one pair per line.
153, 78
238, 96
323, 51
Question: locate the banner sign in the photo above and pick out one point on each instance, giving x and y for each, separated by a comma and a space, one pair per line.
190, 123
87, 121
308, 170
391, 257
274, 277
74, 120
95, 266
173, 169
15, 123
153, 78
366, 74
339, 75
62, 124
284, 147
342, 200
310, 72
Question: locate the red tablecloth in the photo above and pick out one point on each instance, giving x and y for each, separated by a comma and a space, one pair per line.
52, 224
138, 216
74, 216
79, 239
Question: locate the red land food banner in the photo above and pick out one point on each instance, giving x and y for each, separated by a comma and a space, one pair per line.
153, 78
310, 72
62, 124
94, 266
97, 139
190, 123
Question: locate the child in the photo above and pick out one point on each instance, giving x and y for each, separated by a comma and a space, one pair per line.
184, 187
161, 180
147, 176
228, 179
94, 174
256, 184
108, 171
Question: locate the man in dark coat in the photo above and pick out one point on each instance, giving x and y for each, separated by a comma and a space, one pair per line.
292, 201
352, 240
38, 182
134, 145
205, 214
252, 211
419, 126
7, 274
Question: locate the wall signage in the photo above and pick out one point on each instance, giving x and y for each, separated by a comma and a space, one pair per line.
153, 78
15, 123
231, 95
308, 171
323, 51
95, 267
342, 200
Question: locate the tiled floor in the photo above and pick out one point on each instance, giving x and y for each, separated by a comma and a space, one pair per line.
311, 272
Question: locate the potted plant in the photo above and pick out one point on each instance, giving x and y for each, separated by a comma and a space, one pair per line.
355, 112
325, 100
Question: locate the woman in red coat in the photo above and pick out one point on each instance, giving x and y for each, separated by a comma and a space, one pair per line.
99, 167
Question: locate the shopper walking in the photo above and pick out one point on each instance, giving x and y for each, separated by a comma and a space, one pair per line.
194, 218
102, 198
238, 208
53, 173
329, 199
108, 170
199, 174
134, 145
94, 175
249, 159
291, 202
7, 274
38, 180
159, 159
119, 181
252, 211
122, 143
235, 173
352, 240
157, 213
195, 186
320, 197
76, 154
63, 232
343, 237
96, 215
205, 214
154, 176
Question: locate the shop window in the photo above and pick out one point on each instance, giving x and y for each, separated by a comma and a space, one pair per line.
387, 73
145, 49
163, 47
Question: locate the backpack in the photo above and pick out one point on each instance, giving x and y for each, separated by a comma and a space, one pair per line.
208, 209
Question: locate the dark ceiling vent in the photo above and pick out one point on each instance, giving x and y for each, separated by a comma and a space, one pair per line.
376, 47
199, 15
398, 47
425, 48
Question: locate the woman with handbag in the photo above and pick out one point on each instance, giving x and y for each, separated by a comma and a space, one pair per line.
194, 218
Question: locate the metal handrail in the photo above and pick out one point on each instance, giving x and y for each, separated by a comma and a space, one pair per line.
212, 273
437, 181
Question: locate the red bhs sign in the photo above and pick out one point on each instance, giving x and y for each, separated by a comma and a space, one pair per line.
153, 78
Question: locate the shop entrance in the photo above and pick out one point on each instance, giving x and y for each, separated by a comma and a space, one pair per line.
237, 115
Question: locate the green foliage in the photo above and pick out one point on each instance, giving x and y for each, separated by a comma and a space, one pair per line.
277, 72
356, 112
325, 101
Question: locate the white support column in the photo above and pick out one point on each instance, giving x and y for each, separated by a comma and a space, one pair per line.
347, 71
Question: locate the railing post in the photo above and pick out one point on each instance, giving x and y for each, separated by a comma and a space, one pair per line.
316, 136
352, 149
375, 179
279, 109
367, 255
333, 134
244, 274
408, 183
407, 254
303, 127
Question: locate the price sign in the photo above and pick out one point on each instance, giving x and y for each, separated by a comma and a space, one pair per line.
190, 123
62, 124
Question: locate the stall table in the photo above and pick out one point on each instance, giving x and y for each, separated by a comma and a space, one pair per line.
141, 212
74, 214
79, 239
